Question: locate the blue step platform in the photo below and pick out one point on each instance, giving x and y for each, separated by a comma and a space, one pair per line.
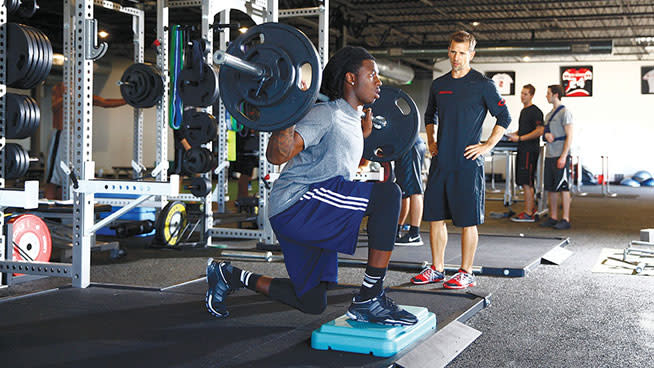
344, 334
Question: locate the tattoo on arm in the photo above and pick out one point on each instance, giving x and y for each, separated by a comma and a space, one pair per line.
281, 144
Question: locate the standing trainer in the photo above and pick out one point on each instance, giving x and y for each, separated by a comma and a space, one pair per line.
316, 209
457, 106
530, 129
558, 134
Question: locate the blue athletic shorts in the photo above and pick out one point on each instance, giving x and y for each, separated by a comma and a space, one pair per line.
323, 222
456, 195
408, 169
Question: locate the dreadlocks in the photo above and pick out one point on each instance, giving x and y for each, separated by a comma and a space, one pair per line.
346, 60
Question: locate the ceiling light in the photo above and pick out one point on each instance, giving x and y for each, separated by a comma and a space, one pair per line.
526, 58
103, 34
475, 24
243, 29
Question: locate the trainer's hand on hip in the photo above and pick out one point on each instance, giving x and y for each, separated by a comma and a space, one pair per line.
475, 150
433, 148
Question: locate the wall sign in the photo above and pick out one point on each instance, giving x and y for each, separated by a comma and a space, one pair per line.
504, 80
577, 81
647, 80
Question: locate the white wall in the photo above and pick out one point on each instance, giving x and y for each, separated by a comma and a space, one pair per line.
616, 121
113, 129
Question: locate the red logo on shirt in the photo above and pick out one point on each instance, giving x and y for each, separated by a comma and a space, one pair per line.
445, 92
502, 102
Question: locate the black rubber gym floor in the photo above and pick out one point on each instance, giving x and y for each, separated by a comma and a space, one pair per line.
497, 255
104, 326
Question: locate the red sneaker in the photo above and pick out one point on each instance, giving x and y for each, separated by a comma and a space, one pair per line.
460, 280
428, 276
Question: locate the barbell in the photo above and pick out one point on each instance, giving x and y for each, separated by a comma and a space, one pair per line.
18, 161
270, 78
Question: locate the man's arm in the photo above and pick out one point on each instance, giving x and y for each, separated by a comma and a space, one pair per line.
431, 139
283, 145
108, 102
497, 107
560, 163
534, 134
475, 150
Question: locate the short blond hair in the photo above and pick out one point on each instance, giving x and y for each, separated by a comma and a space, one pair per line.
463, 36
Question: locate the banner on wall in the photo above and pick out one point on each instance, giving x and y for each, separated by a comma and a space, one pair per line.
504, 80
647, 80
577, 81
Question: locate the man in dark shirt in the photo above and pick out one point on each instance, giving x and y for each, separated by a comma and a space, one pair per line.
458, 103
530, 129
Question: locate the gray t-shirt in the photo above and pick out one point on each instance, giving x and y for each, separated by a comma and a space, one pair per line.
333, 146
556, 124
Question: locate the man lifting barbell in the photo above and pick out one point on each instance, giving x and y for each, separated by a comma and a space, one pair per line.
316, 208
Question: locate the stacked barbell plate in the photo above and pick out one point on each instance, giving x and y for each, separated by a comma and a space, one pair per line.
17, 161
283, 99
29, 56
23, 116
142, 85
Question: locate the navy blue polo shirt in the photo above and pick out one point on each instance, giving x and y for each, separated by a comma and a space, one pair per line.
459, 107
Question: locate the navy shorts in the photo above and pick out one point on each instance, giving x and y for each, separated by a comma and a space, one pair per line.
525, 168
456, 195
408, 169
323, 222
557, 180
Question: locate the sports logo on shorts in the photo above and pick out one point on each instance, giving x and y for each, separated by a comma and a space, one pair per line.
502, 102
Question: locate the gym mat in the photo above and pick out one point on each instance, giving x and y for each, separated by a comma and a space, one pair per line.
497, 255
109, 327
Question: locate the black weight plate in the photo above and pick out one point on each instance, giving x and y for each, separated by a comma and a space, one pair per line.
281, 103
15, 119
34, 115
28, 82
44, 62
200, 186
48, 56
401, 128
22, 128
27, 8
19, 51
12, 6
26, 111
198, 127
142, 85
200, 93
197, 160
17, 161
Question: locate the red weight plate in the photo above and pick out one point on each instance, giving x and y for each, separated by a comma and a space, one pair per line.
31, 239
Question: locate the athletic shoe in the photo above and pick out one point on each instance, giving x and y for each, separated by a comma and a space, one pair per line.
460, 280
428, 276
218, 275
524, 217
548, 223
409, 241
562, 225
381, 310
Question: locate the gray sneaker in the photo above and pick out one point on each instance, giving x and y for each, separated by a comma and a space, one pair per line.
548, 223
562, 225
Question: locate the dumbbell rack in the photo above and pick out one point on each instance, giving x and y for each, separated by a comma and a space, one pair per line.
81, 51
27, 198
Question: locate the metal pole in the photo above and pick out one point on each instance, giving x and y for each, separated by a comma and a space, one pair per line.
221, 57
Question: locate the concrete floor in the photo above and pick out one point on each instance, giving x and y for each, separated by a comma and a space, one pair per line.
557, 316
